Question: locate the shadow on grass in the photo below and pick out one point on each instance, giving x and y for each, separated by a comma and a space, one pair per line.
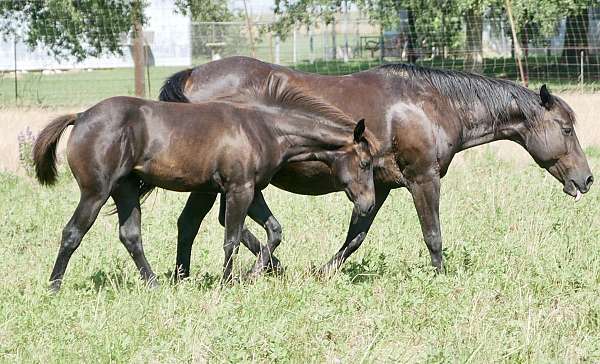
367, 269
116, 279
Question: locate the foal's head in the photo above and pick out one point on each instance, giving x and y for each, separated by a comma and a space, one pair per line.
553, 144
352, 167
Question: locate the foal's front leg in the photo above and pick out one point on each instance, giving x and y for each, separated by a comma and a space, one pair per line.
236, 209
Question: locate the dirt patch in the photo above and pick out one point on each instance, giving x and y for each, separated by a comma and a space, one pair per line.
15, 120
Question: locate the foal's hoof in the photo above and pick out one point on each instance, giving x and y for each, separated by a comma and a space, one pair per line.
152, 283
54, 287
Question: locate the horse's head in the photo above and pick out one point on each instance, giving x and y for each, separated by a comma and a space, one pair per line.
554, 146
352, 167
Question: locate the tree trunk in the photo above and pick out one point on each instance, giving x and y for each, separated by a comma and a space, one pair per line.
524, 40
576, 39
411, 42
474, 51
139, 59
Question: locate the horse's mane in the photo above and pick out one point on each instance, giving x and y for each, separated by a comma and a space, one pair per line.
277, 91
465, 90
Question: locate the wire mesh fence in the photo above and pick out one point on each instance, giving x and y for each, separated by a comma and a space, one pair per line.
567, 57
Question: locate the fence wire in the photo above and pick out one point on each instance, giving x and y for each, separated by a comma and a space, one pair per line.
566, 58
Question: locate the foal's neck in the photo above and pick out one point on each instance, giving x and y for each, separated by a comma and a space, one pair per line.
302, 138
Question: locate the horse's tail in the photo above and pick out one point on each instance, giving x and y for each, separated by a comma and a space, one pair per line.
44, 150
172, 89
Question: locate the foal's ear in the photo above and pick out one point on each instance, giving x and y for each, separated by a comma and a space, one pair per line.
359, 130
547, 98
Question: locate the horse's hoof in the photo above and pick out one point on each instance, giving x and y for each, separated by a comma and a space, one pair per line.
326, 272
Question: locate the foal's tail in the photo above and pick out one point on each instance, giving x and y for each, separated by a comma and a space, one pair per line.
44, 150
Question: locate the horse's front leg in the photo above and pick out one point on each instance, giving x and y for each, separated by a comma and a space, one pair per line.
426, 197
357, 232
236, 209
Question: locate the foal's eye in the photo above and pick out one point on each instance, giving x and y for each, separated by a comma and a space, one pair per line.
364, 164
567, 131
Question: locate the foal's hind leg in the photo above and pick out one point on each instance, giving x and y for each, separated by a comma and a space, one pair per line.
127, 201
188, 224
260, 213
237, 203
84, 216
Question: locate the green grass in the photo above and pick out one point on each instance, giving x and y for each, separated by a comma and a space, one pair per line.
86, 88
76, 88
522, 282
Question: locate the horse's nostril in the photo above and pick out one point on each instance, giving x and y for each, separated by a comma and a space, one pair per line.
589, 181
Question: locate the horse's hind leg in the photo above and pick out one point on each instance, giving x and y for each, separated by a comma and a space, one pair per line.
84, 216
188, 224
127, 201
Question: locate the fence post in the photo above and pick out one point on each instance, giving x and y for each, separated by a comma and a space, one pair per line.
249, 24
294, 45
311, 40
324, 35
516, 43
16, 82
277, 53
333, 40
581, 73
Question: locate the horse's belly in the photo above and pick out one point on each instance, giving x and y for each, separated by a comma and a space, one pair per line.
305, 178
176, 178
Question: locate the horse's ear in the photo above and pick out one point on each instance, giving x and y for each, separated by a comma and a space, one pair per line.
359, 130
547, 98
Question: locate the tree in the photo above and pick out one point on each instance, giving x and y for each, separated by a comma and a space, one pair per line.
68, 28
205, 10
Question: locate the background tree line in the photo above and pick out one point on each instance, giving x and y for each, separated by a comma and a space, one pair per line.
82, 28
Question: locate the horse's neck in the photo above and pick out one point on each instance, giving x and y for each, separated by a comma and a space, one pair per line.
486, 132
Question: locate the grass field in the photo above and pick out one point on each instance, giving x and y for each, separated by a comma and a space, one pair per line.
81, 87
522, 282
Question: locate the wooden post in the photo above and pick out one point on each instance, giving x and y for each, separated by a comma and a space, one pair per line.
516, 43
295, 50
139, 61
249, 25
581, 73
16, 82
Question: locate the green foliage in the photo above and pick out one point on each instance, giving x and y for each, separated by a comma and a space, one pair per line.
69, 28
206, 10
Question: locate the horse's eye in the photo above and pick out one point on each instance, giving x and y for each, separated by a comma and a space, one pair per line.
567, 131
363, 165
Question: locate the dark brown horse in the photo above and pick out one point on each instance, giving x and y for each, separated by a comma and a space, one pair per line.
124, 146
421, 116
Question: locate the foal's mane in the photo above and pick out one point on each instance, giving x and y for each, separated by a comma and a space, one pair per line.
277, 91
464, 91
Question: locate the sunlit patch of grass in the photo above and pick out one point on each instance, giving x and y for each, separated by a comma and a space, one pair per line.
522, 280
